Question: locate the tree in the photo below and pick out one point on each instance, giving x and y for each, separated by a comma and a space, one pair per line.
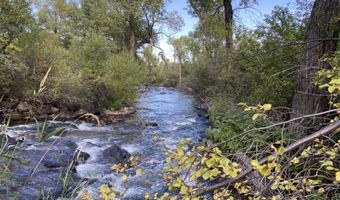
228, 20
15, 19
145, 19
180, 53
322, 28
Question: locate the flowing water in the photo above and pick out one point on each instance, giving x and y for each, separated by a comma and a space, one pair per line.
164, 116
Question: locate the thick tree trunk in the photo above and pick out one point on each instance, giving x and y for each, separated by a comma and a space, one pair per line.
322, 27
228, 20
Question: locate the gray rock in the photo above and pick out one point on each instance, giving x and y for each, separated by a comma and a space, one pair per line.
23, 107
81, 157
154, 124
54, 109
45, 182
61, 155
116, 153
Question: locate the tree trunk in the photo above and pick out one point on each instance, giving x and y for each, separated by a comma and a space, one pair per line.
309, 98
132, 45
228, 20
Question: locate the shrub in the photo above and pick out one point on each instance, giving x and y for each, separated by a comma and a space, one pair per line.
229, 121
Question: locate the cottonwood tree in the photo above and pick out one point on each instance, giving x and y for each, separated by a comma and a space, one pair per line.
15, 19
206, 9
145, 21
320, 40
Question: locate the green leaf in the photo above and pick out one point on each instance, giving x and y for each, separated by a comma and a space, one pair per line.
53, 133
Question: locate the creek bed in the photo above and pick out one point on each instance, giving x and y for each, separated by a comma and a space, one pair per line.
163, 117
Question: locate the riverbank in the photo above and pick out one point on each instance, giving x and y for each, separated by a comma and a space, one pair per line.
163, 117
27, 110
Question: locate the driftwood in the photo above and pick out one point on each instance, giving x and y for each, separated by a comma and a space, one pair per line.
322, 132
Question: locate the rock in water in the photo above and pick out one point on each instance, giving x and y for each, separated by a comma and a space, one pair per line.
61, 155
117, 153
81, 157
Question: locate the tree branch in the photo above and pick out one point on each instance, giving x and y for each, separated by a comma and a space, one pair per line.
324, 131
274, 125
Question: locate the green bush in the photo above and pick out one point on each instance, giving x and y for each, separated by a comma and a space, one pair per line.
12, 70
230, 121
111, 78
121, 78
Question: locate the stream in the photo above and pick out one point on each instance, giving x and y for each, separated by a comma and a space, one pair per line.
163, 117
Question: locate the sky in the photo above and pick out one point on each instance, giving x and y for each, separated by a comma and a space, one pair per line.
248, 17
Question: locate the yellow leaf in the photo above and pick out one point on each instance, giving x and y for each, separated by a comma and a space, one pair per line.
241, 104
104, 189
331, 89
337, 176
295, 160
321, 190
85, 196
255, 164
264, 170
335, 81
255, 116
206, 175
210, 162
146, 196
267, 107
124, 178
184, 190
281, 150
139, 171
274, 187
277, 197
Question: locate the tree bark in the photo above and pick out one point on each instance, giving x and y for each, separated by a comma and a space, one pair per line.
132, 44
228, 20
309, 98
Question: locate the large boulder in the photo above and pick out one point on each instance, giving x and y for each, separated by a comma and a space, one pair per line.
116, 153
61, 155
45, 182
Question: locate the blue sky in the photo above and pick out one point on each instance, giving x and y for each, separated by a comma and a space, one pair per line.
249, 17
